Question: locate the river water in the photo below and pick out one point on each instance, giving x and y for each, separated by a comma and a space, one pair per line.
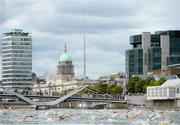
89, 116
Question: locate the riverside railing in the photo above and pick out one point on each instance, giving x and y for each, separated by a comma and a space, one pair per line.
78, 95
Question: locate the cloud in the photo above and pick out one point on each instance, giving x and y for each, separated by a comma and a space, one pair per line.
113, 8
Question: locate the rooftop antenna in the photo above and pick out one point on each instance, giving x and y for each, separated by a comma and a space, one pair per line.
65, 48
84, 38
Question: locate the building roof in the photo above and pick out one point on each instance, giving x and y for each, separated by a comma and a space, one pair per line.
65, 56
16, 30
171, 83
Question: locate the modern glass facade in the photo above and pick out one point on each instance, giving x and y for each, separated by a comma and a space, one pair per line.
155, 40
174, 55
157, 48
16, 50
154, 58
134, 61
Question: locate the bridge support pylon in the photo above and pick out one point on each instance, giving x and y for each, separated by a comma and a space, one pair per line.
42, 107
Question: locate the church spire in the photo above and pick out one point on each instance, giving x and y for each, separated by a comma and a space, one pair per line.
65, 48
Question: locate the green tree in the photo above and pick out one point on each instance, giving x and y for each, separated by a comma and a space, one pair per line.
136, 84
161, 81
132, 84
140, 86
157, 83
114, 89
148, 80
117, 90
101, 87
154, 83
110, 88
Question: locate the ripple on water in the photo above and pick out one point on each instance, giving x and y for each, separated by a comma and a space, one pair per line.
86, 116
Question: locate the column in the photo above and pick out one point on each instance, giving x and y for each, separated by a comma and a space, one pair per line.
146, 43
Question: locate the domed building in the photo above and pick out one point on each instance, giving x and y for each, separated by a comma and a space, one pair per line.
64, 80
65, 67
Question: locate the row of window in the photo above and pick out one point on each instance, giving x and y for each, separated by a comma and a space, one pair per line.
17, 59
4, 76
16, 71
16, 39
16, 84
16, 47
13, 43
16, 51
14, 67
173, 60
18, 55
17, 63
136, 39
15, 80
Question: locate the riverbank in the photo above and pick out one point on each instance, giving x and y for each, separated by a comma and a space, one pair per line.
71, 105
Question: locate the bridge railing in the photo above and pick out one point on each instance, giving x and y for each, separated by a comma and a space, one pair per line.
100, 96
77, 95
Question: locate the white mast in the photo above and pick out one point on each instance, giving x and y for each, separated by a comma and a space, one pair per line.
84, 38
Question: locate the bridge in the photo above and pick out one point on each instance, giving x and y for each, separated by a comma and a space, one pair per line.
76, 97
71, 96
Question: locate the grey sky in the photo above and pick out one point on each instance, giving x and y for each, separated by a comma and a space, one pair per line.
109, 23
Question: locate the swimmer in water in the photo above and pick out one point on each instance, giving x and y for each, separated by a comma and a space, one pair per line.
11, 109
130, 117
152, 117
62, 117
133, 116
27, 117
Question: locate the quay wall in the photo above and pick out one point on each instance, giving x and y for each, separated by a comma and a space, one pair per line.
163, 104
136, 99
73, 104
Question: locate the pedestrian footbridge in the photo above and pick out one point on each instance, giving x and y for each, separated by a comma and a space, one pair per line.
50, 103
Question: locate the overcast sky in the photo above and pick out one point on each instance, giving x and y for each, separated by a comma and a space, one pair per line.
109, 23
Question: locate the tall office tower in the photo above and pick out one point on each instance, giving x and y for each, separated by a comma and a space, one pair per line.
152, 52
17, 60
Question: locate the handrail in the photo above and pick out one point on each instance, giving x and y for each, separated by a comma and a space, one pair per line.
18, 95
44, 103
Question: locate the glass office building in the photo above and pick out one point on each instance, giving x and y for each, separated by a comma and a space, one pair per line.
16, 51
152, 52
135, 61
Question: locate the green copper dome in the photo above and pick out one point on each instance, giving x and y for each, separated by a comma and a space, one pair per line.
65, 56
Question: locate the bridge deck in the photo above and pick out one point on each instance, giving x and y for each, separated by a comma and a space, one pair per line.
53, 100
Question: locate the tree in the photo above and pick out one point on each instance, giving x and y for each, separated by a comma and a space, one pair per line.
105, 88
117, 90
140, 86
114, 89
149, 80
161, 81
131, 84
110, 88
157, 83
154, 83
137, 84
101, 87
